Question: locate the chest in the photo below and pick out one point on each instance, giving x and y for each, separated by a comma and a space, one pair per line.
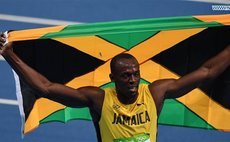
138, 113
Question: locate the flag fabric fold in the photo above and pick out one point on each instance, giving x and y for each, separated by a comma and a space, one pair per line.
79, 55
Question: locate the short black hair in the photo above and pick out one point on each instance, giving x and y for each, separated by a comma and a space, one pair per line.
118, 57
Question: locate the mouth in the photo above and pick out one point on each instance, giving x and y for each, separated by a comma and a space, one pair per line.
132, 88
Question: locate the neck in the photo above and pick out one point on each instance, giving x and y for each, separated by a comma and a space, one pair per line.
127, 100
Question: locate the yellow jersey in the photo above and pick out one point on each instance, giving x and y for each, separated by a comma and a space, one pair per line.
128, 123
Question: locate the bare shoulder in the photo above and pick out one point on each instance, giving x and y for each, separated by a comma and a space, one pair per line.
92, 92
159, 88
96, 97
158, 91
160, 85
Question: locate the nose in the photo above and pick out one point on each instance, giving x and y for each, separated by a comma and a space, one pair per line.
132, 79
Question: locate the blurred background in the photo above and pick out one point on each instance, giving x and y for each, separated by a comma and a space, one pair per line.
27, 14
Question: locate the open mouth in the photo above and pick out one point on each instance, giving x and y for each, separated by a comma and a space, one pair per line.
133, 88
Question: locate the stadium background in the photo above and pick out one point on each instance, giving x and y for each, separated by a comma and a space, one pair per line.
26, 14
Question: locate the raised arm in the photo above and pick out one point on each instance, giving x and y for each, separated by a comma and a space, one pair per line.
82, 97
174, 88
208, 71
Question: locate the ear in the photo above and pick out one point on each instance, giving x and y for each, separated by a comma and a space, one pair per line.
111, 77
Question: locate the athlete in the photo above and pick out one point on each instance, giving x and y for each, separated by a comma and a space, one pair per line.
129, 111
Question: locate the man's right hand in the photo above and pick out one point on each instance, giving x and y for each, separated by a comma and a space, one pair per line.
2, 39
4, 46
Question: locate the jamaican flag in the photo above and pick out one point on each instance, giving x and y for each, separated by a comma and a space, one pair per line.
79, 55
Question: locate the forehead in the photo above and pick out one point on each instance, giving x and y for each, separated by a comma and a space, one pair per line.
127, 64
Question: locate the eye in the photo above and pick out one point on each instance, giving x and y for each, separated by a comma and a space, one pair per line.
137, 73
125, 75
128, 75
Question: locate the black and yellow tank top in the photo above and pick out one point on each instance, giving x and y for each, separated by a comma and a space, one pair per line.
133, 122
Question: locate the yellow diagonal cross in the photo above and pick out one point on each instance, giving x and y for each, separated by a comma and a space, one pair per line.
143, 51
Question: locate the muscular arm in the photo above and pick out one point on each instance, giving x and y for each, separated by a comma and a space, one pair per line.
82, 97
174, 88
208, 71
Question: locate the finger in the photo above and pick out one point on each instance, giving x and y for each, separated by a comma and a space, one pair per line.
2, 35
1, 44
2, 41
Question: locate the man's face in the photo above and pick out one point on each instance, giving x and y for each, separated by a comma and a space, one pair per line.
126, 78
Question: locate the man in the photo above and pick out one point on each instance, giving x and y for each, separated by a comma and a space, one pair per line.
129, 111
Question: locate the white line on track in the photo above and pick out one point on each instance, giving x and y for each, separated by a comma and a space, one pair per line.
213, 1
8, 102
34, 20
